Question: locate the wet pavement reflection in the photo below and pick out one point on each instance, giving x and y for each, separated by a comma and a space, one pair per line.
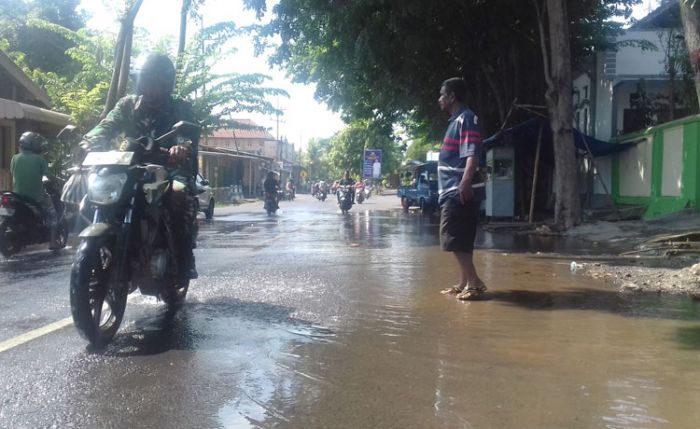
314, 319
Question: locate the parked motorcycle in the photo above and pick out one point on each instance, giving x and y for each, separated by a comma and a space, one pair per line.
130, 243
22, 221
271, 202
344, 194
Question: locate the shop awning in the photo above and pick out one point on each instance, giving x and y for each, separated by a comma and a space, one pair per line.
15, 110
526, 133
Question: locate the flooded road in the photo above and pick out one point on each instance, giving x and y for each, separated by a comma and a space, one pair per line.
312, 319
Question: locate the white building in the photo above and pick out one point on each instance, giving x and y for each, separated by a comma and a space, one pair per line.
603, 96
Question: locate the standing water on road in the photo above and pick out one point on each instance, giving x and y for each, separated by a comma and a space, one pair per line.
546, 348
315, 319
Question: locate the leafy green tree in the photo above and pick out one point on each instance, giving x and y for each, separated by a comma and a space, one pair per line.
347, 148
217, 96
420, 147
316, 158
79, 94
383, 59
44, 48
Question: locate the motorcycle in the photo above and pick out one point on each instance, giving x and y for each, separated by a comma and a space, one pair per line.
130, 244
360, 195
321, 195
22, 221
271, 202
344, 194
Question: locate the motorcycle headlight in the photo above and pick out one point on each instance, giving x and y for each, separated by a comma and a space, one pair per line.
105, 187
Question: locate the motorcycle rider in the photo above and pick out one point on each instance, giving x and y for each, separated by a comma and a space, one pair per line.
271, 186
291, 188
151, 113
28, 168
348, 181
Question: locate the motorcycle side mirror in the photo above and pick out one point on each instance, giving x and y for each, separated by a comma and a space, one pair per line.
68, 132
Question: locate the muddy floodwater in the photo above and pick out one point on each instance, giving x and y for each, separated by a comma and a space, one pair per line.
312, 319
546, 348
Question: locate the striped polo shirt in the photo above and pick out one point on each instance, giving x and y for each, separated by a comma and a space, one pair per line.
462, 140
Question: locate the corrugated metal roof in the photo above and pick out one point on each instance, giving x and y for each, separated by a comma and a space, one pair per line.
239, 133
15, 110
24, 80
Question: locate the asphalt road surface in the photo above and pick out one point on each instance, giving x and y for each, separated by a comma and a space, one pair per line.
315, 319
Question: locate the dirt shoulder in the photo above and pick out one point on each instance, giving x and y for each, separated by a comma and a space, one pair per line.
643, 264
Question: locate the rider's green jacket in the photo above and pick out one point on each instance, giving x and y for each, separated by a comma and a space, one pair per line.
130, 118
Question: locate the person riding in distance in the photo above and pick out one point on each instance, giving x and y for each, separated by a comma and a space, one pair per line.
271, 185
151, 113
348, 181
28, 169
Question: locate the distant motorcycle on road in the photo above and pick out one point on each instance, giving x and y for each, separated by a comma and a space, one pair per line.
344, 194
271, 202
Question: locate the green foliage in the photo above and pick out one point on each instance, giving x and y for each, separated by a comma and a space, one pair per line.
382, 60
316, 159
216, 96
44, 48
347, 148
420, 147
79, 94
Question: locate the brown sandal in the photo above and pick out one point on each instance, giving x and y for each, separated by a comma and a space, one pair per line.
452, 290
471, 293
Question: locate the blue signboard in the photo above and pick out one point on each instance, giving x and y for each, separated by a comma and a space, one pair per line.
372, 164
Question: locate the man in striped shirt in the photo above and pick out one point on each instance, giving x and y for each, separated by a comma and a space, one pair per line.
461, 190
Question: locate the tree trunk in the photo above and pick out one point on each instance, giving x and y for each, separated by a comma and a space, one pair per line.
125, 34
184, 10
690, 15
126, 63
557, 63
114, 83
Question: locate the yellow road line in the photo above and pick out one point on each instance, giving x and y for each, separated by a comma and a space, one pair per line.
36, 333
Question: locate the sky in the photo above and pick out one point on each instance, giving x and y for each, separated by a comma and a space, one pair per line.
304, 118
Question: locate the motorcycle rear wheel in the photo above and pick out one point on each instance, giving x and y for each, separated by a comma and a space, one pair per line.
8, 242
97, 304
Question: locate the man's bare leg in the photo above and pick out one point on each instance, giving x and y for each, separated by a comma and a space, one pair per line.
468, 275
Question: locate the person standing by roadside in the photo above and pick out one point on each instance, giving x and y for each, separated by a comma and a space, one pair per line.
460, 188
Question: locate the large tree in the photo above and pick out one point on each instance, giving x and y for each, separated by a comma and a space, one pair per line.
384, 60
690, 15
557, 76
44, 48
347, 148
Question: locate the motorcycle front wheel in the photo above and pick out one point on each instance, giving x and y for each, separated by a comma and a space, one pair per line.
97, 304
9, 242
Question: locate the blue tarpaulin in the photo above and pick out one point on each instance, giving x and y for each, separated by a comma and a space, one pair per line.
528, 131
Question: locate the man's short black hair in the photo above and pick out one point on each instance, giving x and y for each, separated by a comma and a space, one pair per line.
456, 86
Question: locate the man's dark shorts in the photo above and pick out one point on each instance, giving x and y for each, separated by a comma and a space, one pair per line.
458, 225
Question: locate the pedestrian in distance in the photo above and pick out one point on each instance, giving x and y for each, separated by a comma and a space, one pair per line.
460, 187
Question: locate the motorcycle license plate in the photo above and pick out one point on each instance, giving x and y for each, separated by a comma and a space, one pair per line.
108, 158
6, 212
